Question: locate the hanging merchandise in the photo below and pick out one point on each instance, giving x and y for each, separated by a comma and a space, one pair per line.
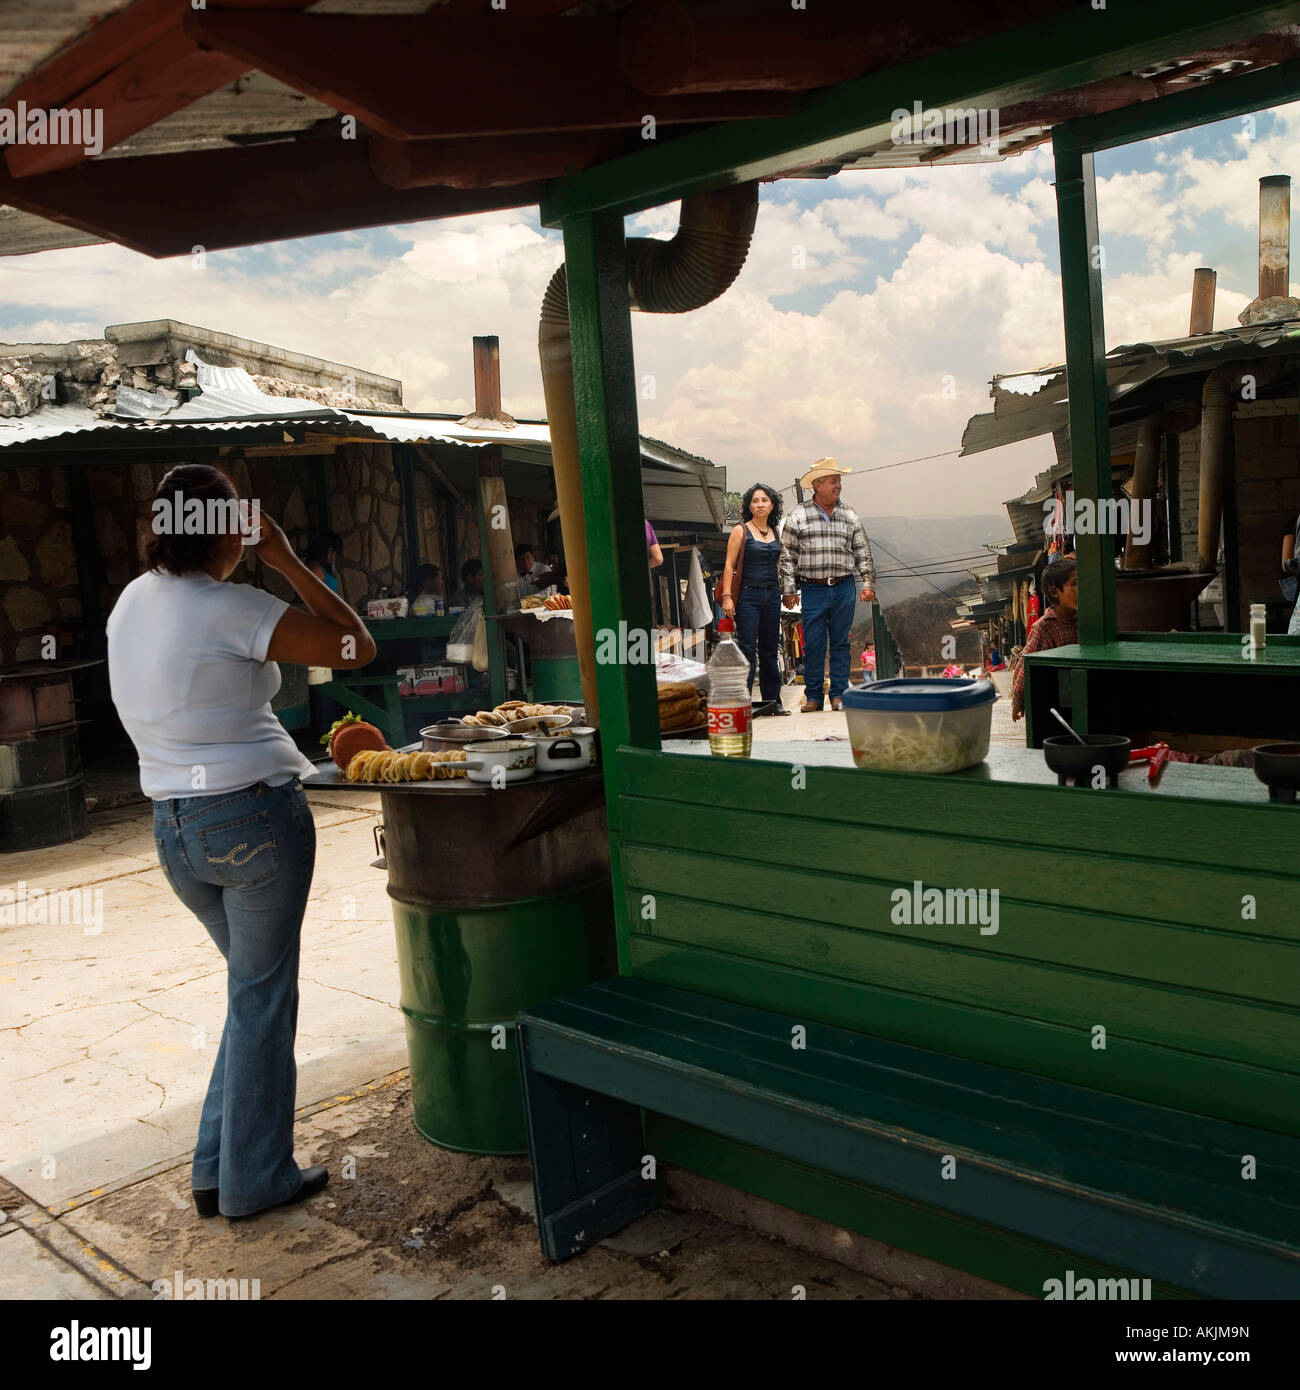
697, 611
1055, 527
1031, 611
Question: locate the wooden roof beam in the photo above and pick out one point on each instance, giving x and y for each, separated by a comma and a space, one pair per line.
135, 68
171, 205
494, 160
668, 47
439, 75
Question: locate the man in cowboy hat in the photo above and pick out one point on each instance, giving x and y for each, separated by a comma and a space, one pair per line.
823, 547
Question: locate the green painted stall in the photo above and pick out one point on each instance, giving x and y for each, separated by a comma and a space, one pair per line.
1154, 953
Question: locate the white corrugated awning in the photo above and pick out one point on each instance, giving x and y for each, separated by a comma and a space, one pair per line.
680, 488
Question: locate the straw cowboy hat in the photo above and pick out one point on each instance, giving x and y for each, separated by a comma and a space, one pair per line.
823, 468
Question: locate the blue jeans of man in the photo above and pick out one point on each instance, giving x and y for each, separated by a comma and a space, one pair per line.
827, 618
758, 631
242, 863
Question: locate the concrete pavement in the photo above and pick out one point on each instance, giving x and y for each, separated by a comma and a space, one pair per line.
109, 1034
109, 1028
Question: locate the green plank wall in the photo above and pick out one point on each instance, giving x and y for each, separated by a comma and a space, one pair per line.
730, 881
779, 896
742, 884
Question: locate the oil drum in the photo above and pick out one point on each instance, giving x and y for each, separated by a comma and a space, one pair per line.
501, 899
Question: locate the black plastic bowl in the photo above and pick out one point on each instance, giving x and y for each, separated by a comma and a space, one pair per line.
1277, 765
1074, 761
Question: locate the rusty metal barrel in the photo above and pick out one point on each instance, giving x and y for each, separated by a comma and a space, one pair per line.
501, 899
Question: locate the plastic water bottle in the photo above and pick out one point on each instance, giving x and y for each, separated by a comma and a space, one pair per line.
730, 706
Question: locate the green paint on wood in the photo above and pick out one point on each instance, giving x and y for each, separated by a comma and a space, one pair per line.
1003, 1258
604, 389
1229, 1090
1065, 50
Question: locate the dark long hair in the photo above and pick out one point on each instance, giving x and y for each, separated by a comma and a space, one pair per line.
320, 548
747, 515
185, 553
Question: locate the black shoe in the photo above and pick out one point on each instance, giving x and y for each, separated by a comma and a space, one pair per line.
205, 1201
778, 708
313, 1181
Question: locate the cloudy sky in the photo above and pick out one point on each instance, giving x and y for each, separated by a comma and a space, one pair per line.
861, 295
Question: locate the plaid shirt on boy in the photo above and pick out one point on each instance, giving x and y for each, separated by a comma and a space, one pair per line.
815, 547
1051, 630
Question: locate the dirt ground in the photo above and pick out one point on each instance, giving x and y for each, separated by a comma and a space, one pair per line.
404, 1219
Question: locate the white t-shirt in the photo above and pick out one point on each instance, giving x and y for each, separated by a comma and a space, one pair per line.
188, 671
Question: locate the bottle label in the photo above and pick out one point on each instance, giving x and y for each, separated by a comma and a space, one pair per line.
726, 720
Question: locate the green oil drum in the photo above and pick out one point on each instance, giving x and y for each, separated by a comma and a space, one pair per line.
556, 678
465, 974
501, 899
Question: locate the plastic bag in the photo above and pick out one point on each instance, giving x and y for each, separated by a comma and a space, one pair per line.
479, 660
461, 643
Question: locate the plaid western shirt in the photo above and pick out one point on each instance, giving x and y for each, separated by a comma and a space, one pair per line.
1051, 630
813, 547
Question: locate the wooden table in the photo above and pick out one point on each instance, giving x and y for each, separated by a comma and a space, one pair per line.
1174, 683
374, 695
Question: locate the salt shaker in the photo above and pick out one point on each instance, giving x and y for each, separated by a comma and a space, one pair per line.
1258, 628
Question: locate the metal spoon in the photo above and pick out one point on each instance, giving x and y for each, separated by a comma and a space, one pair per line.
1060, 719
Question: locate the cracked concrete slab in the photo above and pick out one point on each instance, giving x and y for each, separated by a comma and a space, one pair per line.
29, 1270
153, 1232
107, 1039
403, 1219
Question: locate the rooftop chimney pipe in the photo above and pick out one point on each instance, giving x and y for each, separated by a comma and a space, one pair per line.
1274, 236
1203, 282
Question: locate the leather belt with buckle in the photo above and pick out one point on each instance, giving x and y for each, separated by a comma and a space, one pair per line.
838, 580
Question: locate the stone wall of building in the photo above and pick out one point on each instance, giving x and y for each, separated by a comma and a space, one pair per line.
365, 510
39, 588
39, 581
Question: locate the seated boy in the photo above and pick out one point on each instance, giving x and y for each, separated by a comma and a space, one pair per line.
1058, 627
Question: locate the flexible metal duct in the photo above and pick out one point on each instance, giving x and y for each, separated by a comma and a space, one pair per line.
1146, 466
664, 277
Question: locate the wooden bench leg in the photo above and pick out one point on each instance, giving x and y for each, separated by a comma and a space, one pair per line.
588, 1155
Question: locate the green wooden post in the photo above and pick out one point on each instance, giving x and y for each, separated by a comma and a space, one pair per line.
604, 383
1085, 353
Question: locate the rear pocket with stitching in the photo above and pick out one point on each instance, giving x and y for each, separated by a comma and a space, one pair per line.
160, 845
242, 853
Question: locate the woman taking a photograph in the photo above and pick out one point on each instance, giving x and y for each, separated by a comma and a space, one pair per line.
757, 610
191, 663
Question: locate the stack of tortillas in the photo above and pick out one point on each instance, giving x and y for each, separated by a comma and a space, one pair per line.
681, 706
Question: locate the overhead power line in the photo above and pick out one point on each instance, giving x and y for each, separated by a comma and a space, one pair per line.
902, 463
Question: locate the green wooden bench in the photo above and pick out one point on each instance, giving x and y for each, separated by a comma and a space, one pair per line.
1143, 1188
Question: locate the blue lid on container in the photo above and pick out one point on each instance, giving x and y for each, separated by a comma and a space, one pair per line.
921, 695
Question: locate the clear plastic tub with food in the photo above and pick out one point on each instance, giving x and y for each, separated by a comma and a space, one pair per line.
929, 724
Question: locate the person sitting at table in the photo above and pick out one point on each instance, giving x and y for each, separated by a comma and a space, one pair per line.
322, 558
471, 585
555, 563
531, 579
426, 584
1058, 627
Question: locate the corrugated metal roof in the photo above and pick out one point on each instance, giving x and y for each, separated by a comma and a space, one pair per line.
1029, 404
688, 489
